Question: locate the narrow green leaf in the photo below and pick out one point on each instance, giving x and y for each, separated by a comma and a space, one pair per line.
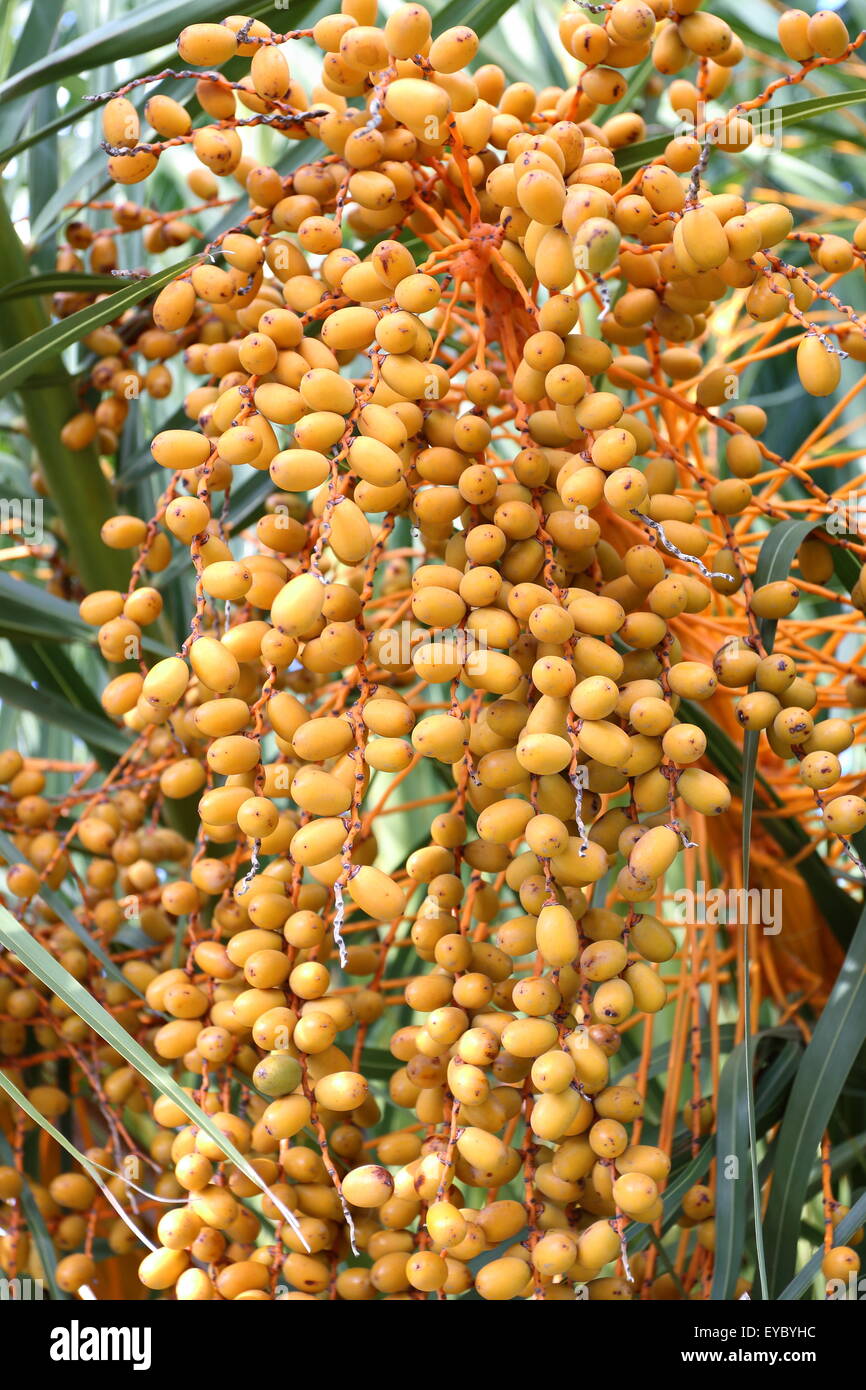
796, 113
382, 1063
43, 172
839, 1035
548, 55
248, 503
58, 282
480, 15
73, 114
37, 38
631, 158
774, 562
36, 34
154, 26
850, 1154
737, 767
20, 361
660, 1056
26, 610
638, 1236
733, 1141
33, 137
776, 557
96, 733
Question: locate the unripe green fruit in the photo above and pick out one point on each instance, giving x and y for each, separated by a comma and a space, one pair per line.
278, 1074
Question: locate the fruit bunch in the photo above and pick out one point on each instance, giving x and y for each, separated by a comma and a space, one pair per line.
501, 586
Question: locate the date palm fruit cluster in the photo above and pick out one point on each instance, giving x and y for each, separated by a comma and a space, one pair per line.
504, 561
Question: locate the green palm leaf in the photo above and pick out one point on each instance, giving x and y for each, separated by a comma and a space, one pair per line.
18, 363
795, 113
839, 1035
